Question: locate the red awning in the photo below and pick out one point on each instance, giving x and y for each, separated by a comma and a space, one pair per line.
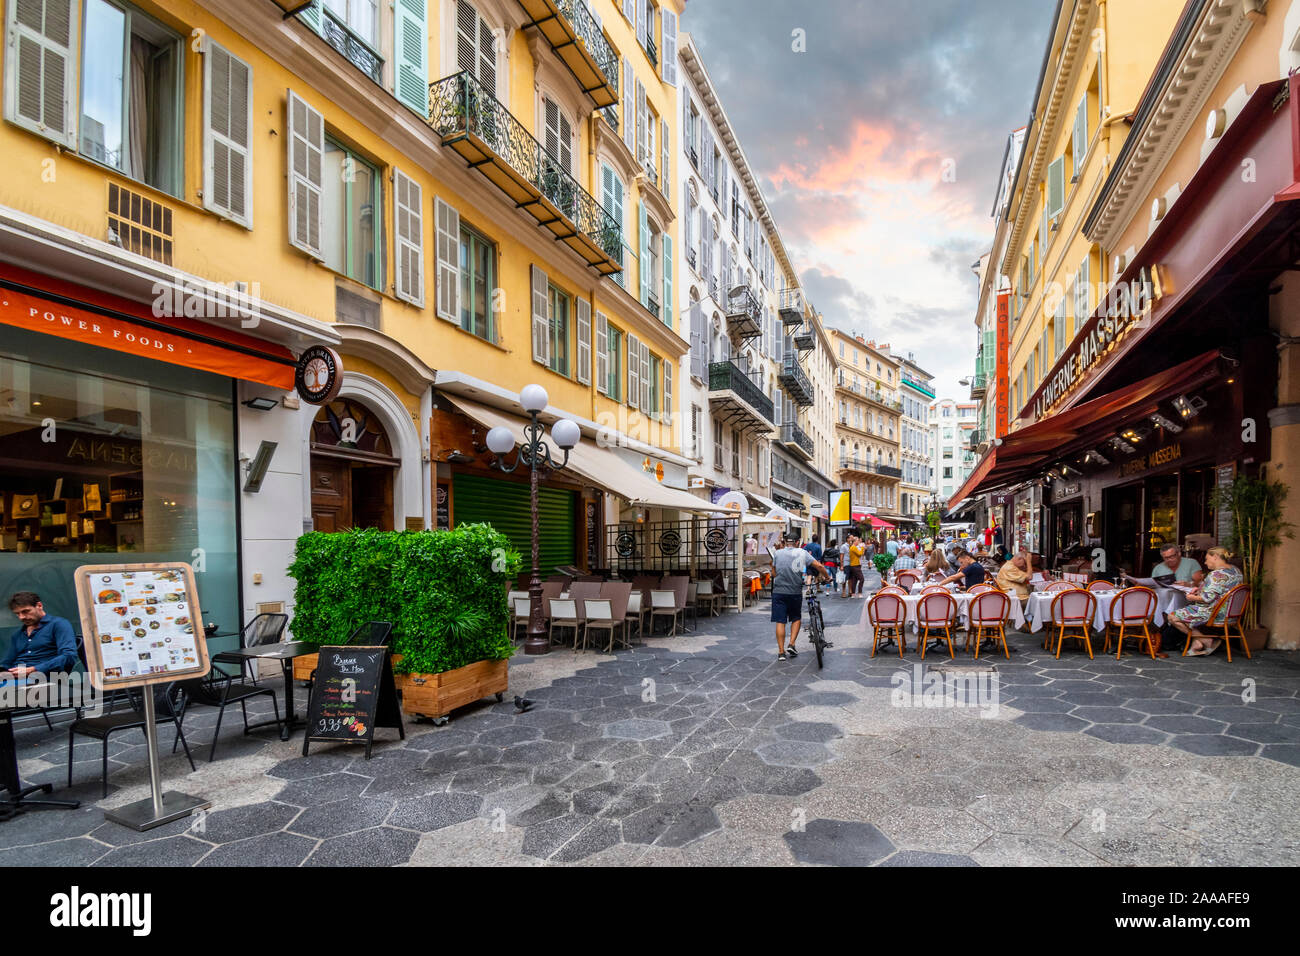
40, 303
878, 524
1026, 453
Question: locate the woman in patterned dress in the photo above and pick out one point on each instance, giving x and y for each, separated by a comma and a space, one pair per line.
1223, 577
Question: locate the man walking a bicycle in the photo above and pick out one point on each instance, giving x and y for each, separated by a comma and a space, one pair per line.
790, 566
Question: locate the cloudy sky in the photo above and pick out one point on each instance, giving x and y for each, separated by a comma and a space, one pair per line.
851, 139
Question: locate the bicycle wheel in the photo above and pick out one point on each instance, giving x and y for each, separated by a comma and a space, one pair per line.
818, 628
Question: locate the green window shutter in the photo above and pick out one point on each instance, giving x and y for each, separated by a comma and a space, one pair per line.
668, 280
504, 505
311, 15
643, 253
410, 43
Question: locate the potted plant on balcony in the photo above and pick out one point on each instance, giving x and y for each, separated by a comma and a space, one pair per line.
1257, 525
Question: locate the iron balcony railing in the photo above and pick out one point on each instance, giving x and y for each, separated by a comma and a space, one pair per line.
354, 49
924, 390
727, 377
611, 117
652, 51
693, 156
652, 303
975, 438
804, 340
869, 467
796, 381
978, 385
742, 302
651, 174
690, 258
460, 104
585, 27
792, 434
790, 305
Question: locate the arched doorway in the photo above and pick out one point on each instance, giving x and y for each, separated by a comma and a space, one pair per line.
352, 469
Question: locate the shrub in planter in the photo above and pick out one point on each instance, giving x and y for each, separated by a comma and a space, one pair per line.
444, 591
883, 562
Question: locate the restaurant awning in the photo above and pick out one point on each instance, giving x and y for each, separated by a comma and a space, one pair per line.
878, 524
1028, 452
602, 468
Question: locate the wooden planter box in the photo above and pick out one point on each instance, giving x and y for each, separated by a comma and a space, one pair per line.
303, 666
436, 695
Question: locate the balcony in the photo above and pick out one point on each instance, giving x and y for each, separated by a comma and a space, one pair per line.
975, 437
737, 401
978, 386
577, 40
797, 440
690, 259
652, 51
651, 174
354, 49
477, 126
744, 312
611, 117
804, 341
790, 305
862, 466
795, 381
693, 157
923, 389
653, 305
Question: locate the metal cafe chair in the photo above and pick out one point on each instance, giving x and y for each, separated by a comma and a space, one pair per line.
905, 579
987, 615
220, 691
564, 613
888, 615
1130, 616
936, 611
600, 617
1073, 608
1233, 606
522, 615
262, 629
665, 604
637, 612
171, 707
1101, 585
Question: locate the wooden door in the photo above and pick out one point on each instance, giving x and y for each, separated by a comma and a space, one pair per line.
331, 494
372, 497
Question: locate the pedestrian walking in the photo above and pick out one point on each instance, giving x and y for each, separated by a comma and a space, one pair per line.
789, 567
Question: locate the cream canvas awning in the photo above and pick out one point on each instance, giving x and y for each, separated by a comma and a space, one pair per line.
598, 466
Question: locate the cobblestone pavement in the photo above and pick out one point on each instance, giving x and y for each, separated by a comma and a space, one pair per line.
704, 749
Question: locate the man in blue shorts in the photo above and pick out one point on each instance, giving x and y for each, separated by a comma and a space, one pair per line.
789, 566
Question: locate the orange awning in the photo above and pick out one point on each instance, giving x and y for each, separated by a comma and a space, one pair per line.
83, 315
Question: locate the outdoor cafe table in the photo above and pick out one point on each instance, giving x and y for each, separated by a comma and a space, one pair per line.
284, 653
911, 601
1039, 610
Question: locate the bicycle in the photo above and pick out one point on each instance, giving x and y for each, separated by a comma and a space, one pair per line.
816, 626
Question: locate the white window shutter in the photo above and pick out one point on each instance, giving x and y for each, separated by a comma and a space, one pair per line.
645, 379
667, 415
584, 342
641, 124
663, 173
602, 353
40, 86
447, 222
410, 46
629, 10
668, 55
640, 22
408, 238
227, 136
633, 371
668, 310
629, 105
1056, 187
541, 318
643, 253
306, 143
1080, 144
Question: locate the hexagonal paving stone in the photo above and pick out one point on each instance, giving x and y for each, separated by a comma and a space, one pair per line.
637, 728
916, 858
826, 698
505, 736
1160, 705
1108, 715
1127, 734
1265, 733
341, 816
1282, 753
1214, 745
272, 849
794, 753
435, 811
839, 843
1185, 724
1057, 722
381, 846
819, 733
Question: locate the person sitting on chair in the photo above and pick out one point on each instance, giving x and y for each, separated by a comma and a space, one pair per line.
1174, 565
971, 573
42, 644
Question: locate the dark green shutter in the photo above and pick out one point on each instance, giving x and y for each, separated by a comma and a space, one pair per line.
504, 505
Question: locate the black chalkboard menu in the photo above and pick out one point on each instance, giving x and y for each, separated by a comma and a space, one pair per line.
353, 693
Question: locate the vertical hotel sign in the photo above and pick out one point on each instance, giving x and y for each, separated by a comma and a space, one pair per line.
1003, 417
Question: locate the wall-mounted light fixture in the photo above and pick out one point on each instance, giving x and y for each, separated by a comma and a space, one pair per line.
258, 467
261, 404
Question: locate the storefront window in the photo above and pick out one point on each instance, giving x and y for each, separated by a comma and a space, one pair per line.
133, 466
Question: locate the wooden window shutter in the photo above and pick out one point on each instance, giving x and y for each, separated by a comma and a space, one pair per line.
645, 379
410, 46
1080, 138
668, 54
448, 242
667, 308
541, 317
633, 371
602, 353
39, 82
584, 341
643, 254
641, 124
227, 136
663, 173
306, 143
629, 105
1056, 187
408, 238
666, 416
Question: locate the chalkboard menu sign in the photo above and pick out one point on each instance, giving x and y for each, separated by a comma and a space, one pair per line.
1224, 476
444, 506
352, 694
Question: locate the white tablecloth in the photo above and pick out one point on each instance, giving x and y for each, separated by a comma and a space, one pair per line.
1017, 612
1039, 610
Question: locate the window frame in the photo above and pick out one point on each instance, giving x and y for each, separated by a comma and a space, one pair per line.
377, 198
558, 336
465, 278
614, 343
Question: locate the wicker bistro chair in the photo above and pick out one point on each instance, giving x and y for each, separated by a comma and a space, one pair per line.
905, 579
888, 616
1233, 607
599, 614
987, 617
1074, 608
1096, 586
936, 612
1131, 612
564, 613
665, 603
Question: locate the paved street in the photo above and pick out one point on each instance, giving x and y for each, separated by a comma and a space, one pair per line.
704, 749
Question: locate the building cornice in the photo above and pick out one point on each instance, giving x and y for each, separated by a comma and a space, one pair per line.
1163, 117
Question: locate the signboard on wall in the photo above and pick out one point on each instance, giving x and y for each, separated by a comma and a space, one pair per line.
1224, 476
841, 509
1003, 359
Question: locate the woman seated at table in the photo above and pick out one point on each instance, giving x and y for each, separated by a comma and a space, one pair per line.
937, 564
1014, 576
1223, 577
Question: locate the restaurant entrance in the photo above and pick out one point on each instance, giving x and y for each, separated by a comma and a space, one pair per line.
352, 469
1123, 508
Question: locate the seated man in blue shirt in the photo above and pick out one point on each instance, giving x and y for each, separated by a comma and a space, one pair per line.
42, 644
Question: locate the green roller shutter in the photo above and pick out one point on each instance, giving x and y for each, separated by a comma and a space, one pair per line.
504, 505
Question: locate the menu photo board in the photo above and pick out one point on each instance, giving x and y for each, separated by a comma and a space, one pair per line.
140, 623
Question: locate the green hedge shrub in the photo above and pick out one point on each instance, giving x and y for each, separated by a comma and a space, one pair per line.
444, 591
883, 562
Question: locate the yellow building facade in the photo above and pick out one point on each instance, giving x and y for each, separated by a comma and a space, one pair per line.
867, 422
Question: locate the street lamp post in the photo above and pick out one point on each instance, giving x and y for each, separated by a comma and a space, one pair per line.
536, 454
